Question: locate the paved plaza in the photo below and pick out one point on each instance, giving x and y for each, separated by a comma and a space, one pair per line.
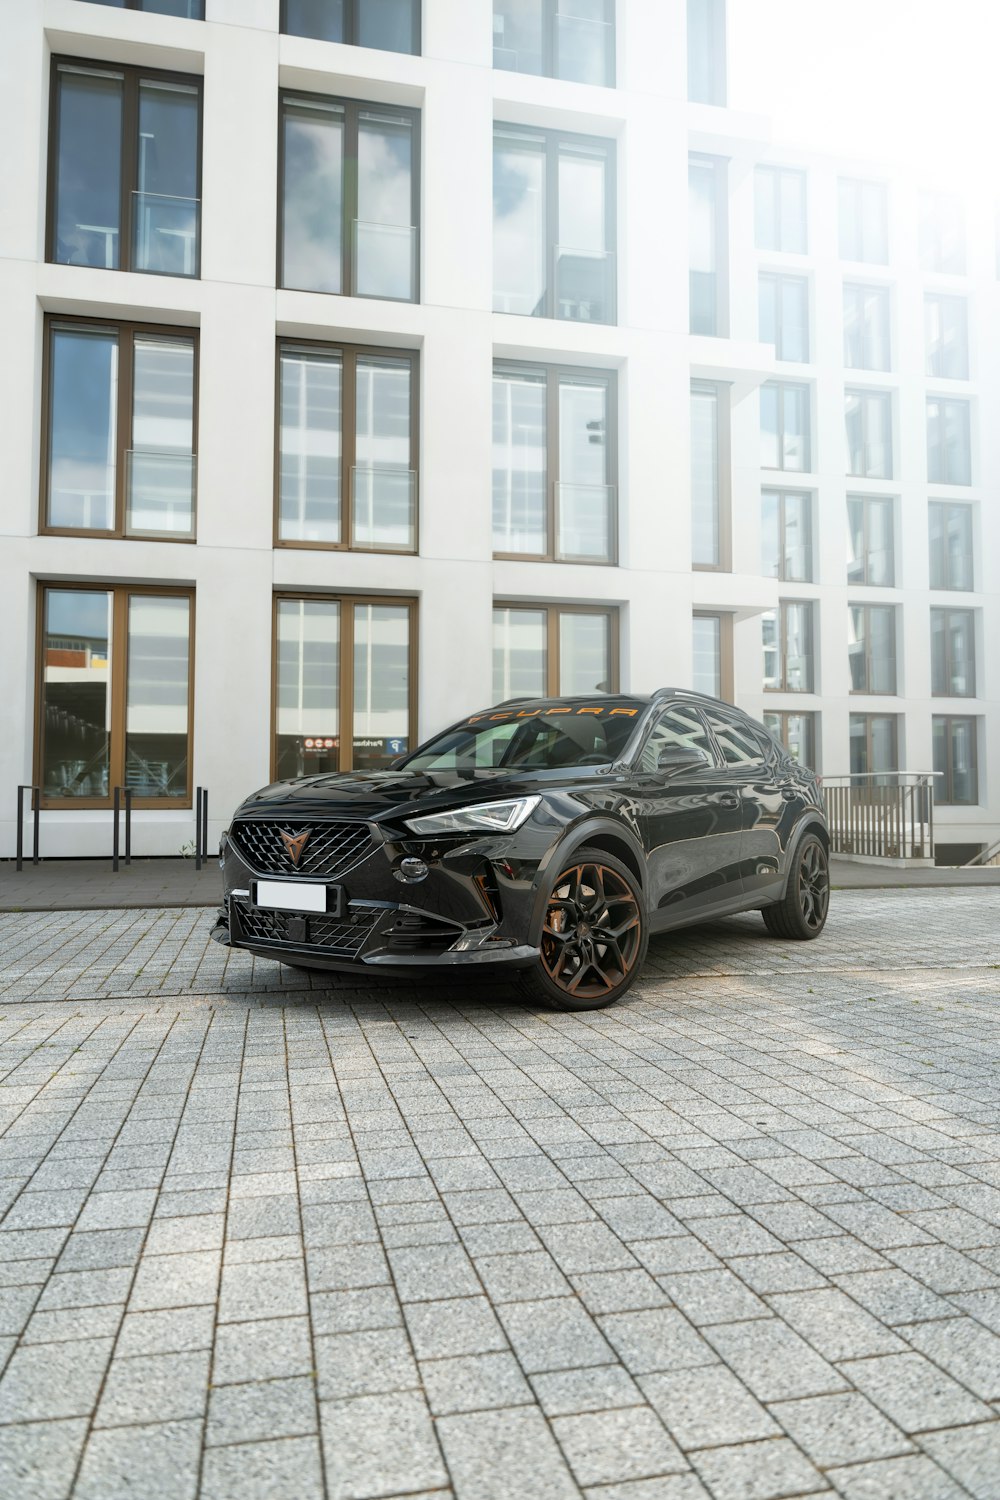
268, 1238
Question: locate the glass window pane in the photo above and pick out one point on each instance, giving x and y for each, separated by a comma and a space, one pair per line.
705, 520
770, 534
584, 270
312, 212
770, 453
792, 212
389, 24
882, 621
766, 209
309, 460
798, 648
161, 471
519, 464
880, 543
520, 666
706, 656
88, 170
307, 697
856, 643
794, 341
798, 539
156, 718
165, 206
706, 61
82, 429
383, 479
795, 434
323, 20
583, 41
964, 784
193, 10
381, 684
76, 693
702, 248
517, 36
584, 653
856, 571
384, 258
767, 310
519, 278
585, 499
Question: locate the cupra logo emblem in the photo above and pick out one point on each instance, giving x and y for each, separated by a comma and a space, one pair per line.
295, 843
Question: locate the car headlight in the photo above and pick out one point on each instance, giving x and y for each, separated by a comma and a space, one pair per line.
487, 817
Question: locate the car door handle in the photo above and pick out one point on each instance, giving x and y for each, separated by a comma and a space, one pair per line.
729, 799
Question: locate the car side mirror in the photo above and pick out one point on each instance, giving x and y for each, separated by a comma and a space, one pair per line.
682, 758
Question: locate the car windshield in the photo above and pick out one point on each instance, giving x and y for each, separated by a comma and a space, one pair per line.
539, 740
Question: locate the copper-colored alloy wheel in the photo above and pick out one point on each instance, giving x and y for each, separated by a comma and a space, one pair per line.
593, 936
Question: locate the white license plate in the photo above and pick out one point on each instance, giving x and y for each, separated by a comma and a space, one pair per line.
291, 895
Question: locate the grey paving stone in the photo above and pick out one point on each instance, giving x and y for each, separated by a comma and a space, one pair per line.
382, 1445
895, 1479
619, 1291
167, 1331
270, 1349
943, 1268
101, 1249
185, 1232
38, 1459
288, 1469
841, 1429
970, 1455
612, 1446
769, 1470
272, 1289
672, 1487
772, 1360
519, 1278
556, 1333
707, 1407
713, 1297
354, 1311
121, 1210
780, 1272
364, 1364
473, 1382
564, 1393
914, 1393
159, 1462
261, 1409
965, 1349
65, 1324
175, 1281
834, 1325
84, 1289
453, 1326
654, 1340
894, 1297
154, 1387
346, 1267
45, 1381
505, 1455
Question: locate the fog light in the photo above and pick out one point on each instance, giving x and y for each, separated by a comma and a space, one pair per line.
411, 870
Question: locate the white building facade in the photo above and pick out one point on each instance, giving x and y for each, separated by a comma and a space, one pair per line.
365, 363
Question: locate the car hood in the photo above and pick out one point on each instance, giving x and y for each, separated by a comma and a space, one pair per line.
374, 795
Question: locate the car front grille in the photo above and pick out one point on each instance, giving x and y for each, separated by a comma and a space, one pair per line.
414, 932
332, 934
330, 850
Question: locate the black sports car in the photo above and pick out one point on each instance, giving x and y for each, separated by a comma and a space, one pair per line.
548, 836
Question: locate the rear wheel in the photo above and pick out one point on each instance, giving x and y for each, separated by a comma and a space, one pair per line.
594, 935
801, 913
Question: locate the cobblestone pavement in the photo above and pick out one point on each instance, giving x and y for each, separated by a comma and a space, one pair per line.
738, 1237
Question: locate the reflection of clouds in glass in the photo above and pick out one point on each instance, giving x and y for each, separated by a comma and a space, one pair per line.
384, 242
163, 398
82, 493
581, 202
518, 226
313, 207
519, 464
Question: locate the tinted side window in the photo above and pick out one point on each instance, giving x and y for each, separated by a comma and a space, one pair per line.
675, 726
739, 746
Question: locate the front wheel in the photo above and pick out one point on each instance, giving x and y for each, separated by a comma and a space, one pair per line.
801, 913
594, 935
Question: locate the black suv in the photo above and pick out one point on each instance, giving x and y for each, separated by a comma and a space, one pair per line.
548, 836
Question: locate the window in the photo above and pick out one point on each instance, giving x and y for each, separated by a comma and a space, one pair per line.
953, 653
570, 39
344, 683
193, 10
946, 324
950, 544
709, 475
955, 760
542, 651
797, 732
706, 48
553, 463
678, 726
942, 232
870, 549
866, 327
786, 535
712, 655
347, 448
783, 303
392, 25
707, 259
125, 169
780, 210
871, 648
114, 695
949, 457
738, 745
553, 225
118, 452
348, 197
863, 221
784, 427
874, 744
788, 648
868, 418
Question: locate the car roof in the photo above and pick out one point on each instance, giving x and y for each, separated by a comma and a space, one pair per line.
598, 699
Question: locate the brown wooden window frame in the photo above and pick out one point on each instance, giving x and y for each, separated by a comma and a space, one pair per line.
349, 355
867, 502
553, 613
944, 785
782, 496
939, 560
869, 657
352, 9
118, 689
722, 392
868, 721
782, 611
353, 109
132, 76
945, 616
345, 706
123, 423
726, 671
555, 375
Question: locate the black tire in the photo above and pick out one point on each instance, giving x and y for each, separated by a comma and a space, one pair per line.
593, 897
801, 913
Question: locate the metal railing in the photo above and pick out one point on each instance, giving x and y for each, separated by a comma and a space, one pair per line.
121, 803
200, 826
881, 814
115, 844
35, 809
